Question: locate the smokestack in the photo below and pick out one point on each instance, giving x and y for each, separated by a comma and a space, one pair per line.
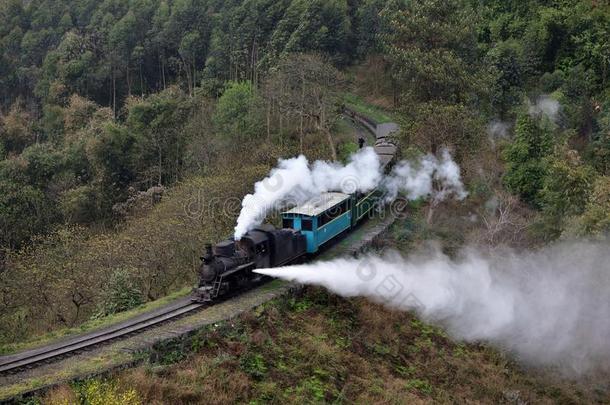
209, 254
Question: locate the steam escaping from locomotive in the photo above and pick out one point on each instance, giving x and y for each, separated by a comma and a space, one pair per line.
548, 307
294, 181
425, 177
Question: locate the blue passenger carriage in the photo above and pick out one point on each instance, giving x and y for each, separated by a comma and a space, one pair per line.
326, 216
321, 218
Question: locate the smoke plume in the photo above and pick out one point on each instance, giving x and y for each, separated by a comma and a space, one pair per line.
417, 179
294, 181
497, 130
547, 106
548, 307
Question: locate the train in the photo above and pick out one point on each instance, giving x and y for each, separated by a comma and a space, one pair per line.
227, 267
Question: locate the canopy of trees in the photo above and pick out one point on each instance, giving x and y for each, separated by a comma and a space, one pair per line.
106, 104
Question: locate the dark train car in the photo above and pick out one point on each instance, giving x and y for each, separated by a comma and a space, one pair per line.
228, 266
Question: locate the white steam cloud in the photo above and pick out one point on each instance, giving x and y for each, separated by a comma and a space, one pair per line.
497, 130
294, 181
427, 177
549, 307
547, 106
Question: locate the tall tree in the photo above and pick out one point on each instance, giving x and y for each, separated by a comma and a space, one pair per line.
431, 47
307, 87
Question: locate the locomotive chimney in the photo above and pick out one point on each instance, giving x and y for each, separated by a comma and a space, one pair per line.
208, 255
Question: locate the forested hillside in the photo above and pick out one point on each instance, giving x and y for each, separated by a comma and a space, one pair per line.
88, 107
104, 105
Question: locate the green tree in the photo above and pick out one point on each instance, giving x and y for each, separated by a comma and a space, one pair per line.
157, 122
506, 58
525, 165
238, 116
431, 47
566, 188
575, 98
113, 156
79, 205
16, 130
437, 125
43, 162
595, 219
24, 211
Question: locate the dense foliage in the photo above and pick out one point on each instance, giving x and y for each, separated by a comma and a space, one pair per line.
106, 104
88, 109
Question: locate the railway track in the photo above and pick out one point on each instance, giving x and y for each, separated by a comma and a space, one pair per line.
27, 359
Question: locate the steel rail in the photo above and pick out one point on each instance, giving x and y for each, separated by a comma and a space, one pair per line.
28, 358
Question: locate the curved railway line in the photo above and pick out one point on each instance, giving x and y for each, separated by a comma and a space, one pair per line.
30, 358
45, 354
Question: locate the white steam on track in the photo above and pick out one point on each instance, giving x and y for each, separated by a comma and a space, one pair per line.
294, 181
549, 307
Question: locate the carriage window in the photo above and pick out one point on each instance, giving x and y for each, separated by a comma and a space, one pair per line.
287, 223
333, 213
306, 224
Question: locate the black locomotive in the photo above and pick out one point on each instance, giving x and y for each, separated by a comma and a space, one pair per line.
227, 267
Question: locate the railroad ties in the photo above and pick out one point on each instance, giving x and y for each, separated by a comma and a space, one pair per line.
13, 363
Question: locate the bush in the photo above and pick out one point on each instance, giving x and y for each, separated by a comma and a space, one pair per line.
96, 392
120, 293
79, 205
254, 364
346, 150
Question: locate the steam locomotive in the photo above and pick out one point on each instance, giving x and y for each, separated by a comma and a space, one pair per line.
228, 266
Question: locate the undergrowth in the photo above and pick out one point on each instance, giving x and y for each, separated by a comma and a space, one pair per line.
318, 348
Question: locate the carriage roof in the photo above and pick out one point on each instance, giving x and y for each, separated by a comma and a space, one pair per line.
319, 204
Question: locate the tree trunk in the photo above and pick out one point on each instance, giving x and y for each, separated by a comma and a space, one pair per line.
160, 165
113, 92
268, 122
331, 143
301, 133
128, 81
189, 79
163, 72
194, 76
430, 214
141, 81
302, 108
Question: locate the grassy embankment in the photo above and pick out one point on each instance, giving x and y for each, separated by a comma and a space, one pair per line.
361, 106
317, 348
320, 348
